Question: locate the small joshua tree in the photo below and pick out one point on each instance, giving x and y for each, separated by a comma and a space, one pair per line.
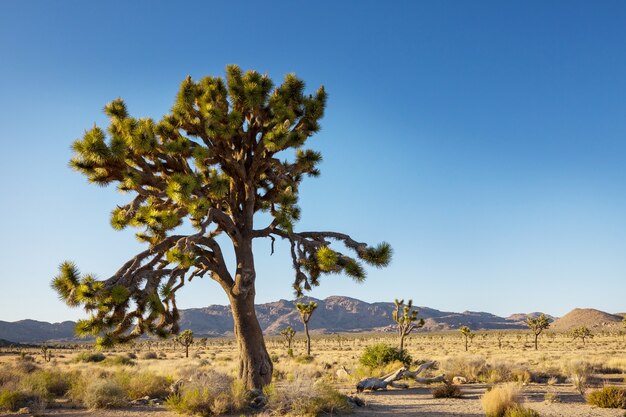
288, 333
186, 339
47, 354
500, 337
538, 325
582, 333
306, 311
467, 333
405, 318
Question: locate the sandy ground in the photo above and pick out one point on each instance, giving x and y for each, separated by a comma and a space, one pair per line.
407, 402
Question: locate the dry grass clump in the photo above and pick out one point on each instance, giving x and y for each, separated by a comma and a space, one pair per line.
89, 357
305, 398
608, 397
13, 400
149, 355
519, 411
48, 383
471, 367
500, 399
207, 394
101, 393
579, 373
143, 384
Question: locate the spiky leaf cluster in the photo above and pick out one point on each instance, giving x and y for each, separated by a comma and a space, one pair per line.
306, 310
406, 317
539, 324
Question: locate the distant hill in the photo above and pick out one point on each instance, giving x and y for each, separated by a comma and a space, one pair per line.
32, 331
589, 317
334, 314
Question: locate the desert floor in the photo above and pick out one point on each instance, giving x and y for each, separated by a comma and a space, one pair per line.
514, 357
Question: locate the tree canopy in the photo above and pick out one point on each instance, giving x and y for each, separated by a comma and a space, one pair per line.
229, 149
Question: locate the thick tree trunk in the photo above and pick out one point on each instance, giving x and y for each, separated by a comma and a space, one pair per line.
308, 339
401, 342
255, 365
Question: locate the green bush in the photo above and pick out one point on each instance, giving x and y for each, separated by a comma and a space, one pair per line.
11, 400
48, 383
381, 354
90, 357
608, 397
103, 393
119, 361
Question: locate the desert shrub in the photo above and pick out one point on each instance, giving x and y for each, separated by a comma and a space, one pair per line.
131, 355
473, 368
302, 359
149, 355
103, 393
89, 357
446, 391
303, 397
48, 383
206, 394
501, 398
519, 411
119, 361
608, 397
25, 364
380, 354
579, 372
521, 375
13, 400
143, 384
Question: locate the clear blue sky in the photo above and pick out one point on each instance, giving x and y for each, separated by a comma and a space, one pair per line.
486, 141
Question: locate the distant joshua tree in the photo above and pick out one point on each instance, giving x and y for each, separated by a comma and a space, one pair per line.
538, 325
582, 333
306, 311
288, 333
467, 333
186, 339
405, 318
46, 352
500, 337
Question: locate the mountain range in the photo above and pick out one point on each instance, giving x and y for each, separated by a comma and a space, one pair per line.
334, 314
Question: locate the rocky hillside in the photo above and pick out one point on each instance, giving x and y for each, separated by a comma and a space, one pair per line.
334, 314
589, 317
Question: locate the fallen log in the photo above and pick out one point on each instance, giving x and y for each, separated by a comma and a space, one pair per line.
374, 384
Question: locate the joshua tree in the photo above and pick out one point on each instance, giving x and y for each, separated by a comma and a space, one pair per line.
185, 338
500, 338
467, 333
288, 333
582, 332
46, 352
306, 311
538, 325
228, 151
405, 318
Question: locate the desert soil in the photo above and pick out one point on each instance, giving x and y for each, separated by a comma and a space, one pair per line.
410, 402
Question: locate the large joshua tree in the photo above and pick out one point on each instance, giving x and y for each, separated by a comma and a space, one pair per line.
227, 151
538, 325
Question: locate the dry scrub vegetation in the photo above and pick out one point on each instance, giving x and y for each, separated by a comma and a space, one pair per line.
505, 377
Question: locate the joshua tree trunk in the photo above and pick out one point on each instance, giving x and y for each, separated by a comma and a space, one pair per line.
308, 339
536, 337
186, 351
255, 365
401, 342
466, 343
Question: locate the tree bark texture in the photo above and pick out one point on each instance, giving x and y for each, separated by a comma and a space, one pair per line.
255, 365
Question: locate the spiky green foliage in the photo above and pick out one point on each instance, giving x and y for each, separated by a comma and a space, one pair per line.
582, 333
185, 339
229, 149
406, 319
306, 310
467, 334
538, 325
288, 333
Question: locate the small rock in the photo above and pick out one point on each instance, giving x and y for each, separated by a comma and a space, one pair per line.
459, 380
